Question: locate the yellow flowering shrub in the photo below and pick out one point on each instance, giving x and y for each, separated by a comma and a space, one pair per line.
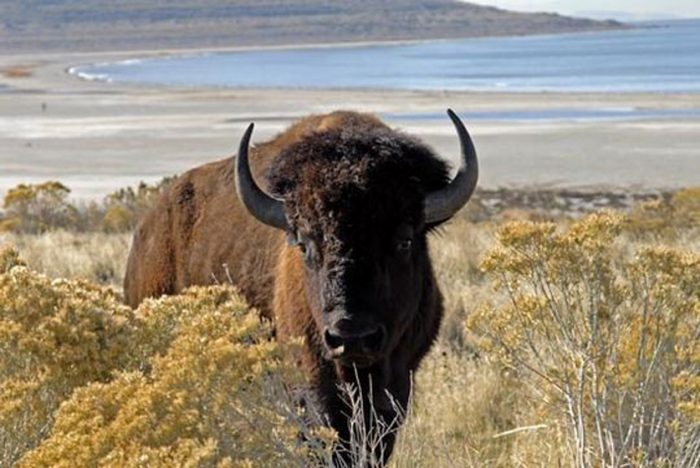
607, 341
54, 336
186, 380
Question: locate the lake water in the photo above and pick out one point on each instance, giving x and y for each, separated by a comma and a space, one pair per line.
663, 57
547, 115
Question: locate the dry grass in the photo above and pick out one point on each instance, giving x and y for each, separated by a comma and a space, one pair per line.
456, 252
460, 404
468, 408
92, 256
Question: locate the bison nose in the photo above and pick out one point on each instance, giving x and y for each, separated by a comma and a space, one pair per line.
343, 340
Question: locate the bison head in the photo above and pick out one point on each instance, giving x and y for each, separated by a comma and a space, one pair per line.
358, 205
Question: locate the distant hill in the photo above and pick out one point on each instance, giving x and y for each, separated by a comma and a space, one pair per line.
67, 25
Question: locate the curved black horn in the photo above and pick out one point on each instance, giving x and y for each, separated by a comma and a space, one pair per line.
265, 208
444, 203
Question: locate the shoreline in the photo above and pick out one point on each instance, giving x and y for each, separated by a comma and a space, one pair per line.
96, 136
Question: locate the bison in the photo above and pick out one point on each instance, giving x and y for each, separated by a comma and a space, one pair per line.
324, 229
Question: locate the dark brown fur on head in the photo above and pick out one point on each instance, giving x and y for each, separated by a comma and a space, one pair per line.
325, 168
350, 196
353, 199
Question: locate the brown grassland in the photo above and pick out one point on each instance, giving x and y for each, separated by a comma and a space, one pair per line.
567, 341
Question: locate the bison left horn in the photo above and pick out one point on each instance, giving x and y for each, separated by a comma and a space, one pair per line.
266, 209
444, 203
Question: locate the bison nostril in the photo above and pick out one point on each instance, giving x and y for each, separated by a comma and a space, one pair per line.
332, 341
374, 341
367, 341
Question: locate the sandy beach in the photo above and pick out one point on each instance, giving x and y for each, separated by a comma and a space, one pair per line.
96, 137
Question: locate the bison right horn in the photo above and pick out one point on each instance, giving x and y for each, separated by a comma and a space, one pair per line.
444, 203
263, 207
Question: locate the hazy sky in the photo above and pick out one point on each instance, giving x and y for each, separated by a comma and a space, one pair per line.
639, 8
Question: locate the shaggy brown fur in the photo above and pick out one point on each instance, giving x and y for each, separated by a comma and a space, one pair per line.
199, 233
353, 192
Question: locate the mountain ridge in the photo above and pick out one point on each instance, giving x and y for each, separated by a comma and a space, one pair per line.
100, 25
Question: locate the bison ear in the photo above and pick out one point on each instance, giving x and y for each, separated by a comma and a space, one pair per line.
262, 206
442, 204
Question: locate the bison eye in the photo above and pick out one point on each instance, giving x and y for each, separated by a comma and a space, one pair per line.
311, 254
306, 246
404, 245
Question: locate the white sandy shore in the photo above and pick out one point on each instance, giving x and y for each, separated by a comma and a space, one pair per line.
96, 136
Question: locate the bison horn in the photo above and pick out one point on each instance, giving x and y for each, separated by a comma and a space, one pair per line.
262, 206
444, 203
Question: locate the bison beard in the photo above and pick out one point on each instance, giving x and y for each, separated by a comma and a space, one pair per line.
324, 229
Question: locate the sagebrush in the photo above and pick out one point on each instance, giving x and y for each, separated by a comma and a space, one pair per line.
608, 343
187, 380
